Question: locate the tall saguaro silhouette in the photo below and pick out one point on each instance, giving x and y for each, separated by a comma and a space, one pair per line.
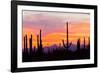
25, 51
26, 41
78, 45
84, 43
30, 45
25, 44
67, 45
88, 42
40, 40
39, 43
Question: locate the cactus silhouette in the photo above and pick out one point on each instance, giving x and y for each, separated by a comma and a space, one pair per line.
25, 50
38, 41
78, 44
67, 45
26, 41
25, 44
84, 43
88, 42
30, 45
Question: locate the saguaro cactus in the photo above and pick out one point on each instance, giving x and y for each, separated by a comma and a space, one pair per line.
38, 41
26, 41
30, 45
30, 42
67, 45
24, 44
88, 42
84, 43
25, 51
78, 44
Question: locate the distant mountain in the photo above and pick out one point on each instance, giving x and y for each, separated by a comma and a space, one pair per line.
73, 48
50, 48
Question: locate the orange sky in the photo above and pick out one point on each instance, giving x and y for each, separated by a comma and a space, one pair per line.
53, 26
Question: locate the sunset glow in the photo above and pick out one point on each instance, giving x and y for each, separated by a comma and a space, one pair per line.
53, 26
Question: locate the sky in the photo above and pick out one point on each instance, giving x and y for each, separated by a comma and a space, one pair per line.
53, 26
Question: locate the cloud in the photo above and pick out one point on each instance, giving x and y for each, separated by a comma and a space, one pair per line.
51, 22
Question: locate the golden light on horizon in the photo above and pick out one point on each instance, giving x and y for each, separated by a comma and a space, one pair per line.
57, 37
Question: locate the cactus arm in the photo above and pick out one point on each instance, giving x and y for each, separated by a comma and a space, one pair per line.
64, 44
